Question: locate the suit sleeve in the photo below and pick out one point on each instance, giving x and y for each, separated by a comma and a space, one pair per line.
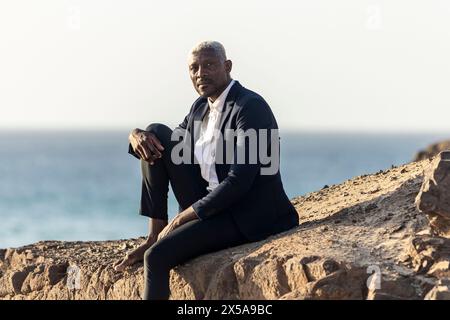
131, 151
255, 114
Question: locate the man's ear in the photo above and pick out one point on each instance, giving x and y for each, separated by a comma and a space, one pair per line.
228, 65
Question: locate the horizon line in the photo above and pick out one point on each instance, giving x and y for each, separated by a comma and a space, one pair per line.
286, 130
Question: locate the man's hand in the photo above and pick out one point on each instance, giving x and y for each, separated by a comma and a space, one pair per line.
146, 145
181, 218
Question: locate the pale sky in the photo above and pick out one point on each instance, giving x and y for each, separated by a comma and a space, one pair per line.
321, 64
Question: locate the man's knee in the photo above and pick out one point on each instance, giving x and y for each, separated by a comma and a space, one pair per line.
159, 129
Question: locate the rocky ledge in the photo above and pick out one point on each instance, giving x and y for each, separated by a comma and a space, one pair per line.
362, 239
432, 150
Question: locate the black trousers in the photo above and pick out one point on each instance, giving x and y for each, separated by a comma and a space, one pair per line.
192, 239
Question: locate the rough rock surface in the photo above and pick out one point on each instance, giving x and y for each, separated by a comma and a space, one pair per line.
434, 196
362, 239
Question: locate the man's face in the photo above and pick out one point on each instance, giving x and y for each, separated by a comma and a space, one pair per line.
209, 74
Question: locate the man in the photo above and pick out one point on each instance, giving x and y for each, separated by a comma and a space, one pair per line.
224, 203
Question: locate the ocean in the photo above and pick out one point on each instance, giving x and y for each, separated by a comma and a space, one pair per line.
83, 185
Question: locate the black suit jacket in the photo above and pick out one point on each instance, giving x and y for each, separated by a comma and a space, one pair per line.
257, 202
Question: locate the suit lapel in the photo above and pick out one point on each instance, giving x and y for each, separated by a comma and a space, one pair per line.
197, 118
200, 112
222, 168
229, 103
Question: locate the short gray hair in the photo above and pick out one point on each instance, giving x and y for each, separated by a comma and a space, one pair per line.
215, 46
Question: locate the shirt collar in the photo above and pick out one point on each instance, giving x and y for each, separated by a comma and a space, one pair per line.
220, 101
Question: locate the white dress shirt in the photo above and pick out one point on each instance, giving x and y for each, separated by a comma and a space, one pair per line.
205, 146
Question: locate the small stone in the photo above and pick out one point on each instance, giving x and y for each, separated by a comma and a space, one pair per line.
441, 291
399, 228
440, 269
424, 232
370, 207
29, 255
375, 190
404, 258
124, 246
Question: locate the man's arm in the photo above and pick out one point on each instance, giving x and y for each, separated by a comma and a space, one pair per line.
254, 115
133, 134
180, 219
